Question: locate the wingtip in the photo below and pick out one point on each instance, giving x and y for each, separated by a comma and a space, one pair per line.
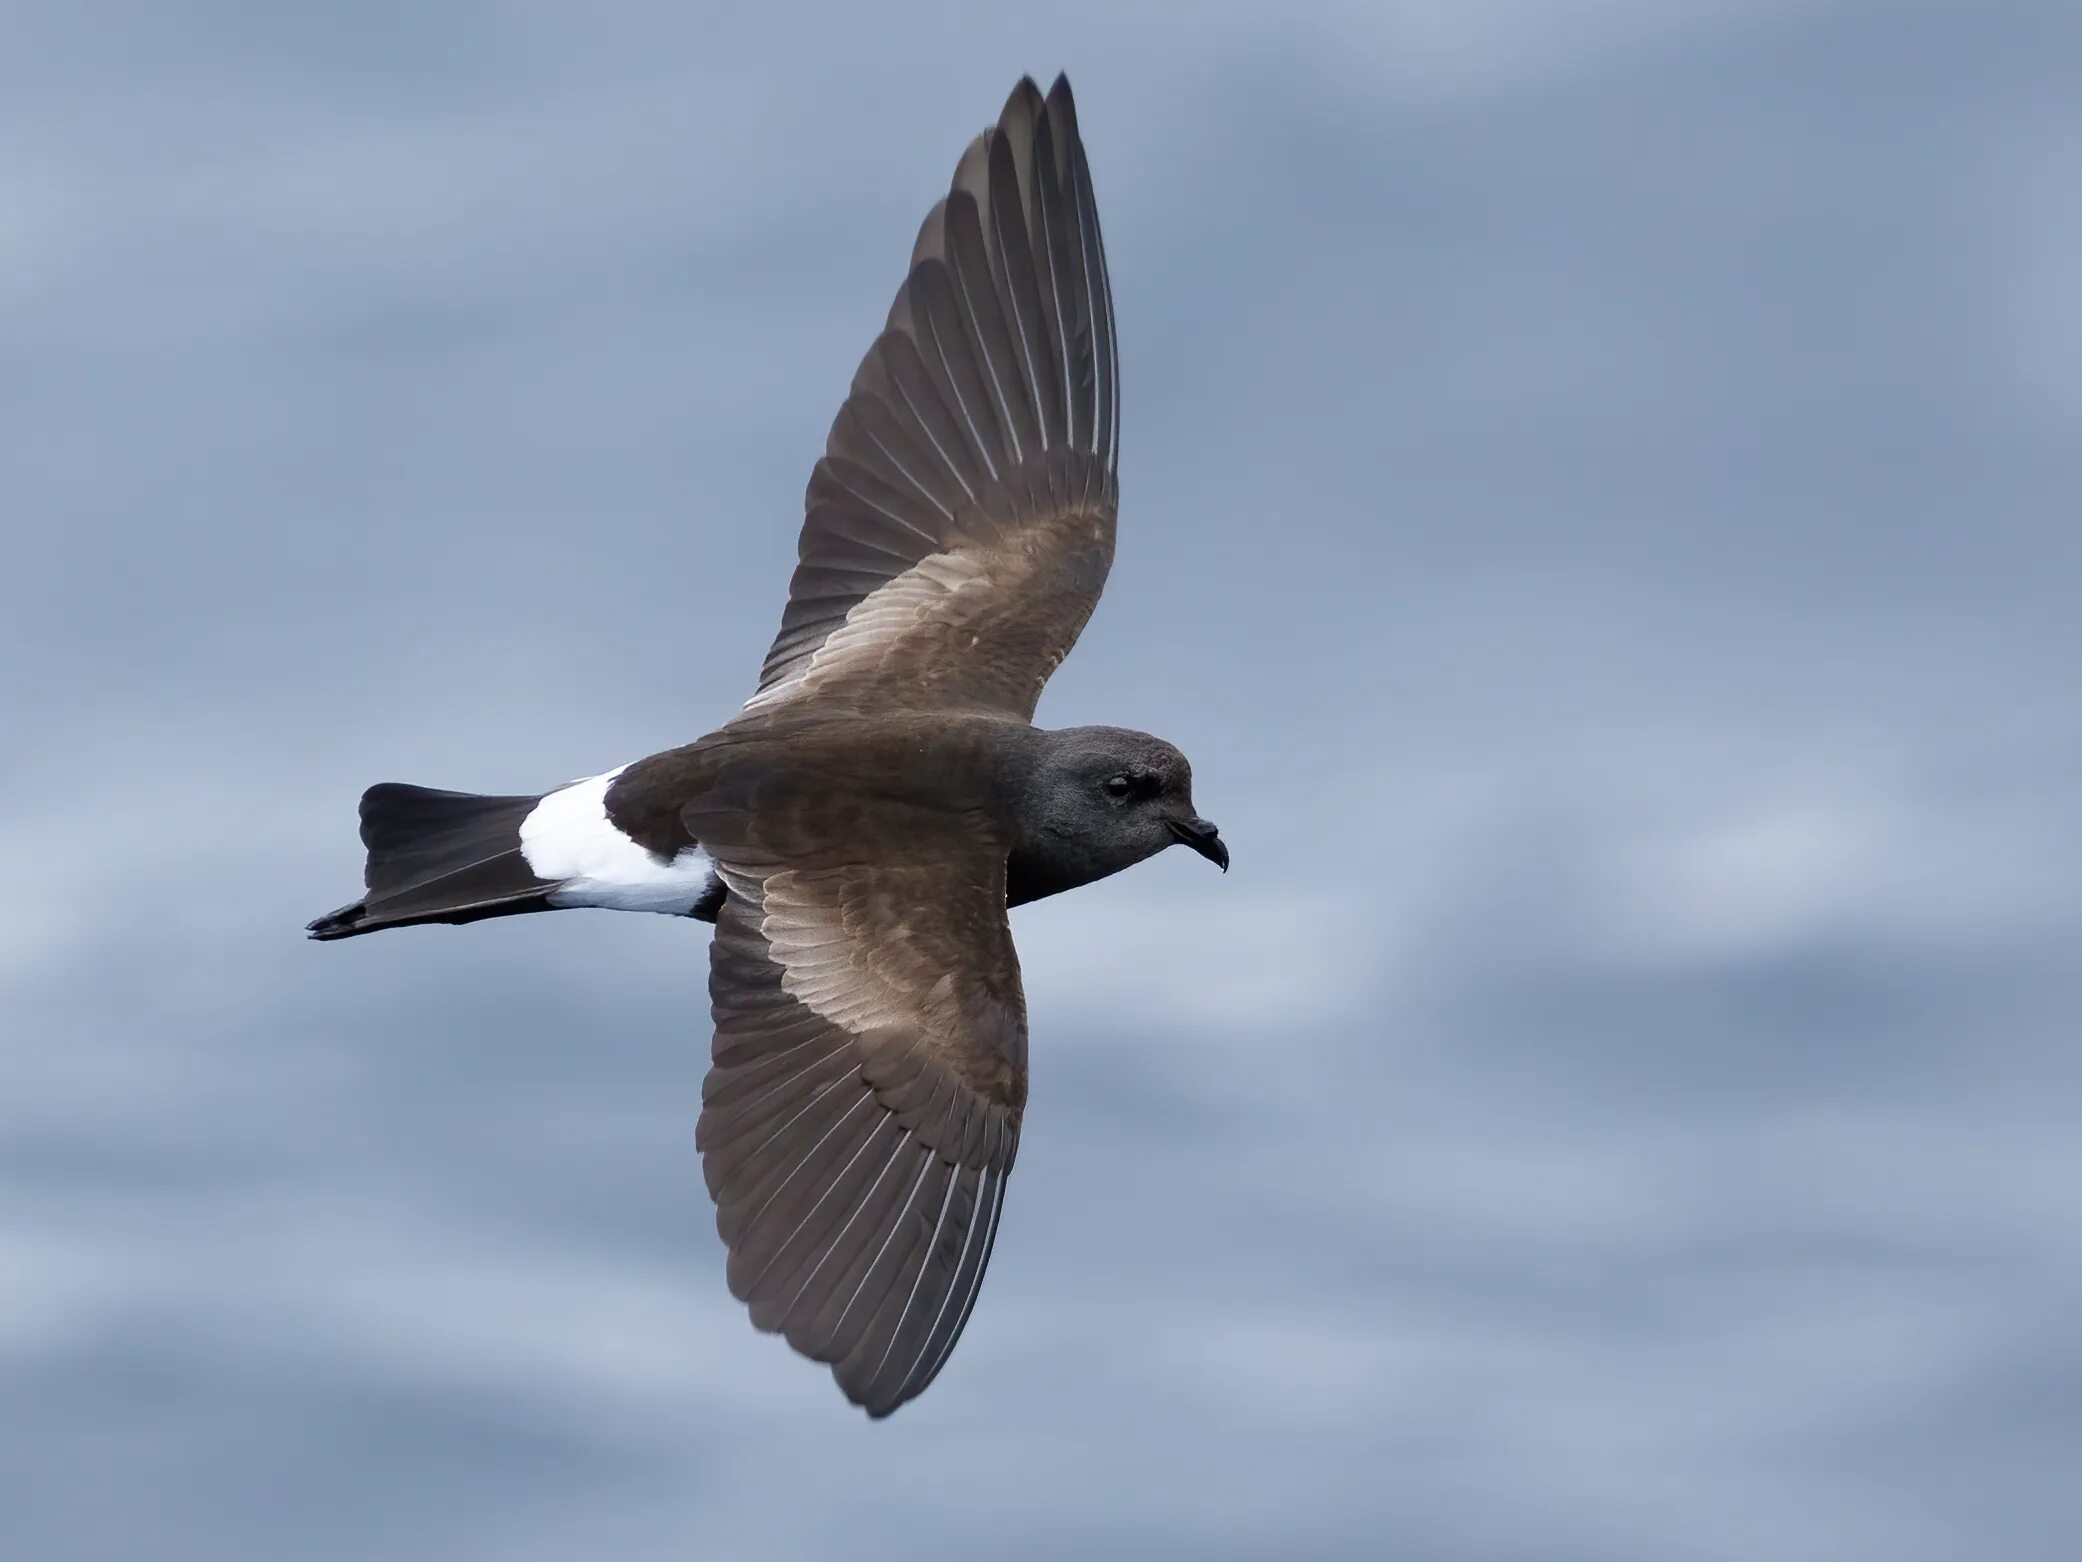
1022, 102
1062, 113
876, 1407
1028, 98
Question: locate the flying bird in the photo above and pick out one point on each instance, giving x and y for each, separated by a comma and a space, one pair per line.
858, 830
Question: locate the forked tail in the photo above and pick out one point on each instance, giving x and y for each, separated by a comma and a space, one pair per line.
438, 856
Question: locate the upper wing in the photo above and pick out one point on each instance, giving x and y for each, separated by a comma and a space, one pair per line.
864, 1105
960, 524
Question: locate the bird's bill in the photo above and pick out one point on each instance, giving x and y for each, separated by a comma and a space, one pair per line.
1204, 838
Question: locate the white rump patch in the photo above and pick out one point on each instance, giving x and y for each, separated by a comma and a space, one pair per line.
569, 837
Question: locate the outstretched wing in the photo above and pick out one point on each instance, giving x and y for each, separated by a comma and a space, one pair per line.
864, 1105
960, 525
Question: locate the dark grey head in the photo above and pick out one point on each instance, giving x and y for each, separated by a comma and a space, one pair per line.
1095, 800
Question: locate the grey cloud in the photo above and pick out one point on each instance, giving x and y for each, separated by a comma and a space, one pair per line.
1599, 486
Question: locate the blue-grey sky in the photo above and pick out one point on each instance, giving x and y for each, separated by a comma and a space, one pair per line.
1600, 512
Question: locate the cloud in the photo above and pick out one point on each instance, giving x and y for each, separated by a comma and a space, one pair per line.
1593, 515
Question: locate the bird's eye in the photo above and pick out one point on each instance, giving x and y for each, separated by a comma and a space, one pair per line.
1119, 786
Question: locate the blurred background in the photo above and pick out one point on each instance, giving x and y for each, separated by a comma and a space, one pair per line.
1600, 511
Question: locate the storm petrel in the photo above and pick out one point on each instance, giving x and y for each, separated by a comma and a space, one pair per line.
857, 831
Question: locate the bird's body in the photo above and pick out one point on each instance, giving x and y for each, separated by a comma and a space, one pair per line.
857, 832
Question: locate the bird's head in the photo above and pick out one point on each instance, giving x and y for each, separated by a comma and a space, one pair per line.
1114, 797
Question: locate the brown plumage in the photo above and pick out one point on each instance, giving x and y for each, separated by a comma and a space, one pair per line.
858, 830
968, 483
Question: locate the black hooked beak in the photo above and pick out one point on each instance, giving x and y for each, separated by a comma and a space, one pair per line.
1204, 838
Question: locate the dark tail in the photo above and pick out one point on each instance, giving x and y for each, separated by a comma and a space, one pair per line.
438, 857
